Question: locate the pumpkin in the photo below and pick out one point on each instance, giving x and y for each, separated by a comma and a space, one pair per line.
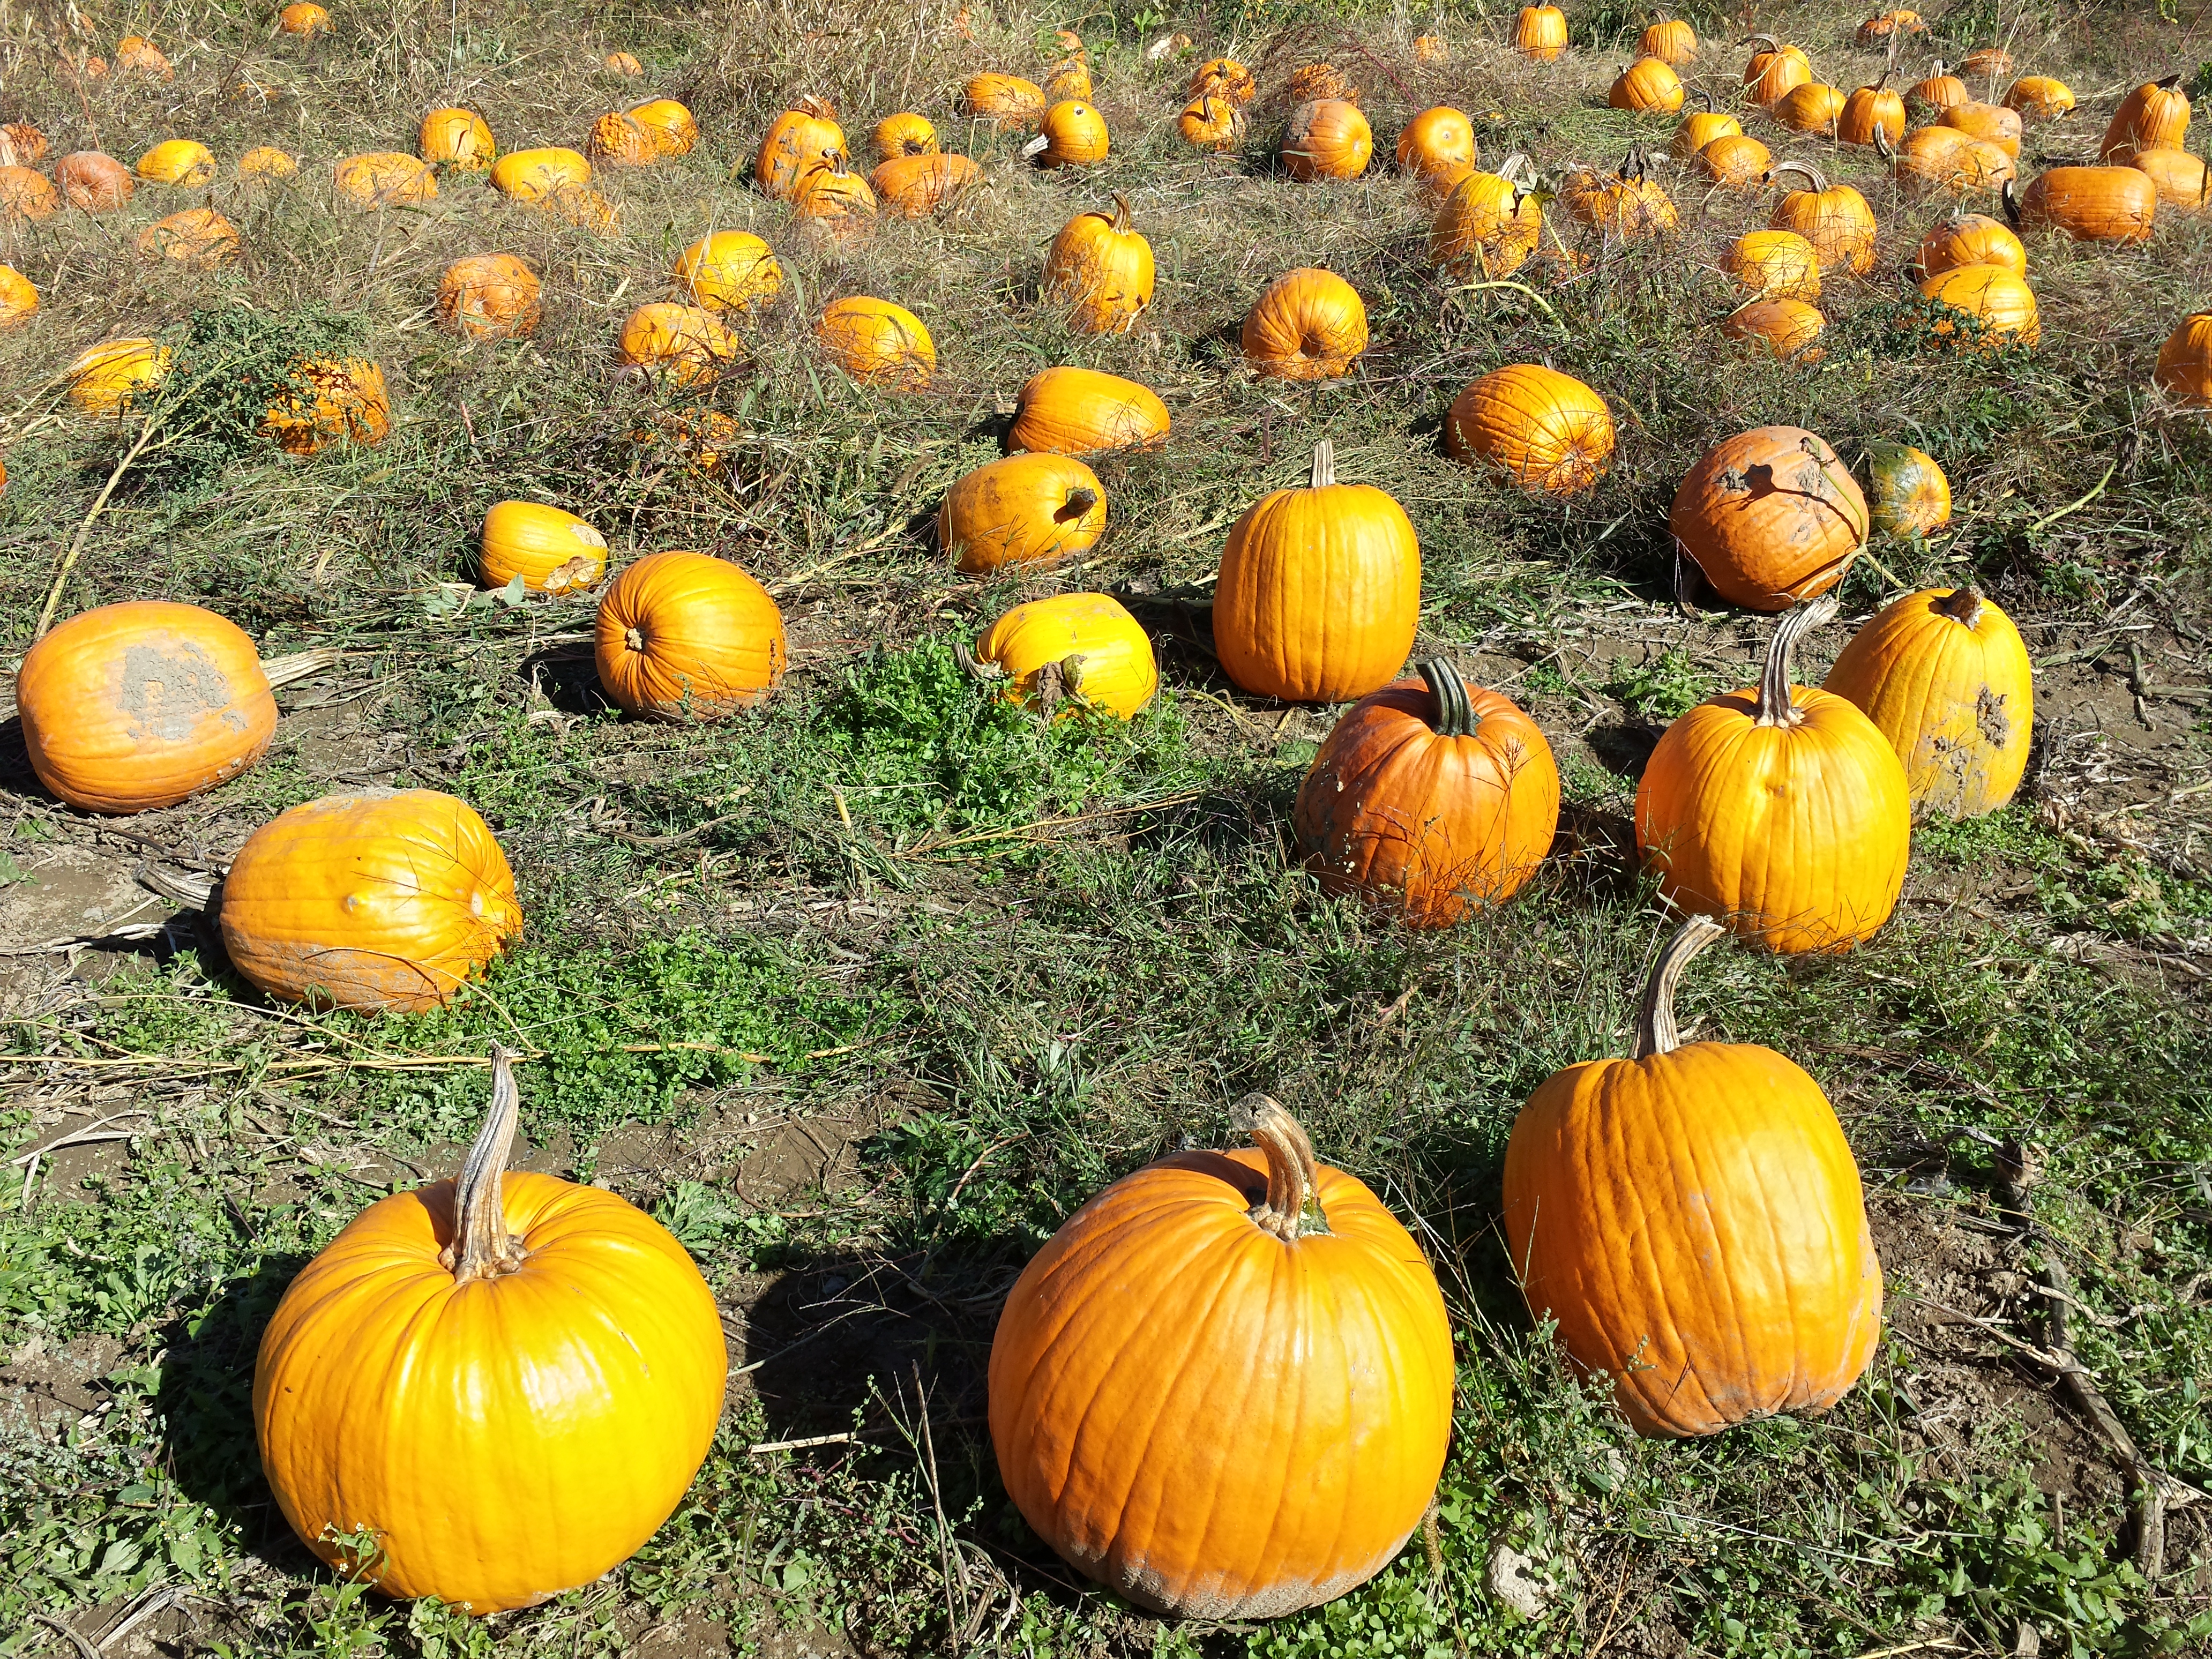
1773, 70
533, 1335
675, 131
1207, 1304
1692, 1220
1083, 647
303, 17
1430, 49
1834, 218
878, 342
701, 436
106, 378
688, 344
1671, 40
618, 140
21, 145
1989, 62
1003, 101
2184, 361
1735, 162
1211, 122
2179, 176
1647, 86
1320, 591
26, 195
19, 300
552, 550
1877, 30
1330, 139
1223, 78
1774, 265
178, 161
1781, 810
1944, 676
2092, 205
1069, 41
1907, 493
1069, 80
93, 182
1438, 144
1700, 127
1101, 269
1026, 510
915, 186
1308, 326
533, 175
1968, 239
731, 272
1626, 203
1787, 328
489, 296
682, 635
2039, 97
1541, 33
457, 138
196, 236
2153, 116
385, 179
1993, 124
835, 202
1869, 111
330, 399
801, 139
140, 705
1941, 158
1546, 431
141, 56
904, 134
1938, 92
1771, 517
1429, 798
2002, 303
1313, 83
1079, 411
1490, 221
266, 162
1070, 134
1812, 108
623, 63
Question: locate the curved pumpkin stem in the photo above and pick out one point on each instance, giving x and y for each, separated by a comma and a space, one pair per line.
1700, 93
1761, 42
482, 1246
1324, 465
1292, 1210
1964, 606
1655, 1031
1777, 707
2011, 202
1121, 214
1882, 147
1811, 174
1456, 716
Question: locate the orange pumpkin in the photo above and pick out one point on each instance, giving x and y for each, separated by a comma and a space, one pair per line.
623, 63
1671, 40
1222, 77
1308, 326
904, 134
21, 145
1786, 327
1312, 84
1968, 239
178, 161
731, 272
195, 236
1003, 101
616, 140
2154, 116
1907, 493
19, 300
675, 131
93, 182
876, 341
915, 186
2184, 361
1993, 124
1938, 92
2001, 302
26, 195
384, 901
456, 138
1646, 87
1134, 1459
1700, 127
267, 161
1429, 799
538, 175
680, 636
1941, 158
141, 56
1774, 265
1869, 112
1834, 218
1694, 1221
1438, 145
330, 399
835, 202
303, 17
1541, 33
1320, 591
801, 139
1988, 62
1773, 70
1101, 269
687, 343
1070, 134
1079, 411
2092, 205
489, 296
1490, 221
385, 179
553, 551
1032, 508
1546, 431
1770, 516
1735, 160
1625, 204
1212, 123
538, 1336
2040, 98
106, 378
1813, 106
2181, 177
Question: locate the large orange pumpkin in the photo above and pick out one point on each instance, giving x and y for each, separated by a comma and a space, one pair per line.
1546, 431
876, 341
1224, 1387
1773, 70
1320, 590
539, 174
2184, 361
26, 195
1101, 268
1968, 239
804, 137
1080, 411
2154, 115
687, 343
2092, 205
1834, 218
1541, 33
95, 182
728, 270
2001, 303
19, 300
915, 186
1437, 148
1781, 811
1430, 799
458, 138
1693, 1219
385, 178
1308, 326
386, 901
1033, 508
549, 1370
1328, 138
682, 635
1770, 516
1003, 101
674, 130
1490, 222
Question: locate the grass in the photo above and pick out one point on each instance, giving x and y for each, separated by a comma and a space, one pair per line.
864, 993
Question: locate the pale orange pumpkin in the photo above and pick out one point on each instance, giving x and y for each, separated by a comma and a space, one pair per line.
730, 271
1548, 432
2184, 361
457, 138
687, 343
94, 183
915, 186
385, 179
802, 138
192, 236
1080, 411
680, 636
19, 300
489, 296
876, 341
2154, 115
1308, 326
330, 400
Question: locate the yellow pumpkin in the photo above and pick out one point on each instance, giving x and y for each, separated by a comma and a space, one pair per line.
178, 161
731, 272
1083, 647
457, 138
19, 300
1030, 508
385, 179
535, 175
687, 343
878, 342
674, 131
108, 377
552, 550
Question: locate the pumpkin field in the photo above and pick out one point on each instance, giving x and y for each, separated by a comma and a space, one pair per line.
1297, 829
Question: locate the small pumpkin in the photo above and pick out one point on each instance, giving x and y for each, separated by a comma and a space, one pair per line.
1070, 134
673, 127
1968, 239
616, 140
1693, 1221
542, 1336
1780, 811
1944, 675
1101, 269
1787, 328
196, 236
915, 186
1313, 83
1626, 203
1330, 139
2184, 361
330, 399
1993, 124
1541, 33
2002, 303
878, 342
1438, 145
19, 300
1430, 49
1990, 63
1907, 493
680, 636
1815, 107
1490, 221
26, 197
303, 17
1834, 218
1878, 30
1735, 161
106, 378
835, 202
1773, 70
1211, 122
1320, 590
802, 138
458, 138
2040, 98
1109, 1369
93, 182
687, 343
1871, 111
1080, 411
2181, 177
1308, 326
2092, 205
489, 296
1774, 265
385, 179
1548, 432
1223, 78
139, 56
581, 206
1700, 127
1937, 92
1025, 509
1069, 80
536, 175
21, 145
731, 272
1429, 799
1647, 86
2154, 116
1075, 650
904, 134
267, 161
178, 161
1004, 101
1770, 516
1670, 39
553, 550
623, 63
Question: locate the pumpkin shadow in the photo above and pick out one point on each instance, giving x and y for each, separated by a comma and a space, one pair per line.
568, 676
16, 773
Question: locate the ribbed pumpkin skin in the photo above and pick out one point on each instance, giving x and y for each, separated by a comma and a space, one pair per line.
385, 179
1216, 1422
1786, 327
875, 340
1327, 139
1773, 72
904, 134
1774, 263
1005, 99
552, 550
1541, 33
798, 141
2150, 117
2180, 177
2092, 205
1907, 492
915, 186
1813, 106
1993, 124
1695, 1222
456, 137
1485, 222
1700, 128
26, 195
143, 704
266, 162
194, 236
1080, 411
1210, 123
509, 1438
1548, 431
1869, 110
340, 399
1938, 93
1785, 532
729, 270
687, 342
1971, 238
1432, 825
1735, 159
491, 296
107, 377
1836, 220
1437, 142
1101, 271
384, 901
536, 175
2004, 303
681, 634
1118, 671
95, 182
1794, 836
1222, 77
1075, 135
1649, 87
1308, 326
2185, 361
1958, 703
2039, 97
1028, 508
178, 161
1671, 40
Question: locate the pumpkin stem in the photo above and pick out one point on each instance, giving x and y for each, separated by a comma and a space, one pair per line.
1700, 93
1763, 42
1080, 501
2011, 202
1963, 606
1454, 716
1811, 174
1324, 465
1655, 1031
2168, 83
482, 1246
1776, 706
1882, 145
282, 670
982, 672
1121, 214
1292, 1210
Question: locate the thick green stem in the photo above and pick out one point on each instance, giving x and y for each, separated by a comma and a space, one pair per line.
1454, 716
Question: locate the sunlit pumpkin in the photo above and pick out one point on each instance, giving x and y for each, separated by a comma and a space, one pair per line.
623, 63
303, 17
1079, 411
553, 550
1647, 86
93, 182
136, 55
19, 300
1430, 49
2040, 98
875, 341
1770, 516
1541, 33
330, 399
197, 236
1735, 160
534, 175
1937, 92
904, 134
1774, 265
1940, 159
457, 138
1005, 101
1308, 326
178, 161
1222, 77
1101, 269
1907, 493
1211, 122
2180, 177
489, 296
1490, 221
2184, 361
1031, 508
1438, 144
2092, 205
1670, 39
1993, 124
1700, 127
1548, 432
267, 161
2155, 115
2001, 303
686, 343
1987, 61
617, 141
1834, 218
1877, 31
108, 378
1626, 203
1968, 239
1312, 84
1773, 70
1693, 1222
385, 179
731, 271
1075, 650
680, 636
1787, 328
1870, 112
802, 138
22, 144
1069, 80
26, 197
915, 186
1815, 107
834, 204
1070, 134
673, 126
